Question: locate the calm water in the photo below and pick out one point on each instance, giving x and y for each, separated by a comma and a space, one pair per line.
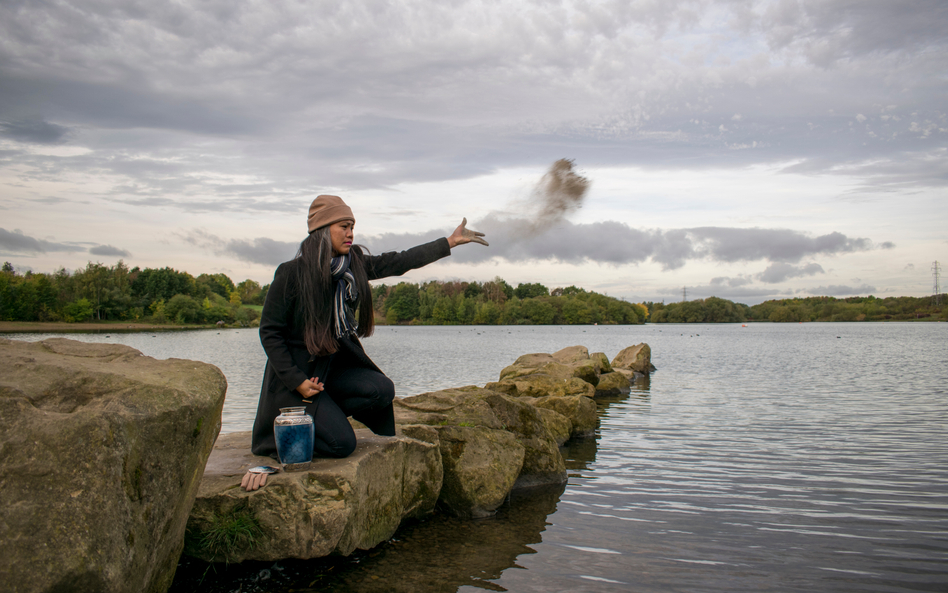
806, 457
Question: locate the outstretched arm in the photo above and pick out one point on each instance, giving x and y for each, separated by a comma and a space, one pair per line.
396, 264
462, 235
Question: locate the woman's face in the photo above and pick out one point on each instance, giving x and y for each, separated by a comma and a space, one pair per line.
341, 235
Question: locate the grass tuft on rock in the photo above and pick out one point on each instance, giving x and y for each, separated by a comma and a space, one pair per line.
226, 535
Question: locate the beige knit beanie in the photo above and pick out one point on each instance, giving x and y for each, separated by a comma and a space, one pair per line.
326, 210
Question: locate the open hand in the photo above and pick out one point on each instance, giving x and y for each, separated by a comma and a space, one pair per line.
462, 235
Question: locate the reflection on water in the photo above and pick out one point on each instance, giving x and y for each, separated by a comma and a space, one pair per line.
440, 554
776, 457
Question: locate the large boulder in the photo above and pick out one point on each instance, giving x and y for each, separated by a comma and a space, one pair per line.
579, 410
334, 507
585, 369
560, 427
481, 466
103, 450
613, 384
542, 384
571, 354
634, 359
570, 371
542, 461
601, 361
486, 410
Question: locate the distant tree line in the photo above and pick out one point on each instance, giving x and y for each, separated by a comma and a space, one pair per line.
867, 308
498, 303
870, 308
117, 293
709, 310
165, 295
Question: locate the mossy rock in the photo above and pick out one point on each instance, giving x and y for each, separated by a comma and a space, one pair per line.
579, 410
334, 507
481, 466
613, 384
541, 385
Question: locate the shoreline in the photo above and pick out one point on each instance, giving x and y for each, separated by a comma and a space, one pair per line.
58, 327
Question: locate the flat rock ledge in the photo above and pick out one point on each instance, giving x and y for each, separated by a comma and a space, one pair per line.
334, 507
101, 454
460, 450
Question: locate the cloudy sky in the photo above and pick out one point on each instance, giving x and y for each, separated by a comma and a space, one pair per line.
739, 148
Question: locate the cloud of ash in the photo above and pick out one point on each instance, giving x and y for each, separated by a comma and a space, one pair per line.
559, 192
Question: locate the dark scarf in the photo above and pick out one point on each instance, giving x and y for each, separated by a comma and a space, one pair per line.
345, 297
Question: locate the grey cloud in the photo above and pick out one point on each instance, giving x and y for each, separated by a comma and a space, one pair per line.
830, 31
122, 104
779, 245
108, 250
842, 290
304, 96
17, 242
778, 272
617, 243
724, 281
259, 251
38, 131
50, 200
262, 250
206, 205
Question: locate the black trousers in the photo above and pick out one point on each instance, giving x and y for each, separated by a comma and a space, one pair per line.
351, 390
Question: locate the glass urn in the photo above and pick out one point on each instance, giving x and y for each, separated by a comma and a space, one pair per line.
294, 433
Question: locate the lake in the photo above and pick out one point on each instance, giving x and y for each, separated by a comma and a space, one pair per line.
772, 457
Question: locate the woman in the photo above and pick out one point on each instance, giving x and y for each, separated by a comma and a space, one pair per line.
311, 335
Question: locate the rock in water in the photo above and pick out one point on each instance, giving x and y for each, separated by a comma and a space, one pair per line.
481, 462
103, 452
613, 384
634, 359
481, 466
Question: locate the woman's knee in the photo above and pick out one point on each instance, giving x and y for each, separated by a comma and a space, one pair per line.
340, 446
385, 389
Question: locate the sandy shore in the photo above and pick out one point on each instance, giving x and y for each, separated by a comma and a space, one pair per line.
59, 327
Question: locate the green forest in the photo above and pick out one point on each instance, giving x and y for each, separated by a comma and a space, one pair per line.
117, 293
498, 303
869, 308
164, 295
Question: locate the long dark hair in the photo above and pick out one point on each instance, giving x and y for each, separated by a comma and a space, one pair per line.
316, 290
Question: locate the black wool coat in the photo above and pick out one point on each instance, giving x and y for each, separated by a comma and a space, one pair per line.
281, 333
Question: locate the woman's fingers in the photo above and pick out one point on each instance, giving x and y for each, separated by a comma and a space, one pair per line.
472, 235
310, 387
463, 235
252, 481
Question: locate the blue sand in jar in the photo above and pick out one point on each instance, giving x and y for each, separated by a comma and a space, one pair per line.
294, 443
